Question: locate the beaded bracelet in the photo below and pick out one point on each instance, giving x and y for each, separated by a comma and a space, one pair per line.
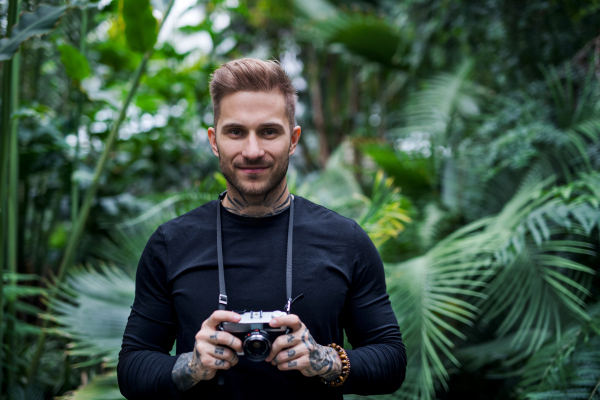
339, 381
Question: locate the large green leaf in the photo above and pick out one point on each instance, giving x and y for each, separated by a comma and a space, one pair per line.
141, 28
76, 65
42, 20
412, 172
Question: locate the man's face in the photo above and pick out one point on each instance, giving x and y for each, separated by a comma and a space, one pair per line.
253, 141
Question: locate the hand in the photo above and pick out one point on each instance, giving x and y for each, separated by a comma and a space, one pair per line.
299, 351
213, 350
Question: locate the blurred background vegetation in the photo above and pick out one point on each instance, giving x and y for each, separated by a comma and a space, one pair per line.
464, 136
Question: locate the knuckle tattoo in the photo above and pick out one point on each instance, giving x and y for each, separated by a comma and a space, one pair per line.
291, 353
292, 364
219, 350
219, 362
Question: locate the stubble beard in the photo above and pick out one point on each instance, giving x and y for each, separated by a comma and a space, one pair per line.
277, 176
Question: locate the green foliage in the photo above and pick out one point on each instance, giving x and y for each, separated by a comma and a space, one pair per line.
76, 65
568, 368
103, 386
496, 158
141, 28
42, 20
355, 32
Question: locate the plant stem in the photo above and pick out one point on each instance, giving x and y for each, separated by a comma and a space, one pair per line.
76, 122
77, 230
5, 163
13, 230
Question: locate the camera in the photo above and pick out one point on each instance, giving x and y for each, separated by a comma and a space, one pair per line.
255, 332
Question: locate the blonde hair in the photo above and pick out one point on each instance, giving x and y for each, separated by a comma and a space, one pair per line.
252, 75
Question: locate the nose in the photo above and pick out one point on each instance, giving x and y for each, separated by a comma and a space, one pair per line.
252, 148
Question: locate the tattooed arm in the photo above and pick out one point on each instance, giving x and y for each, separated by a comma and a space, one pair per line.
299, 351
212, 351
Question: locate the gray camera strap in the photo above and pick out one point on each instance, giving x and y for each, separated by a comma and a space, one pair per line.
288, 268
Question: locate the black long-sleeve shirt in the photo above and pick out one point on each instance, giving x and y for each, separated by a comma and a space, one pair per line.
335, 266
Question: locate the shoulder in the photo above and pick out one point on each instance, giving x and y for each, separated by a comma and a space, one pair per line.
322, 217
192, 223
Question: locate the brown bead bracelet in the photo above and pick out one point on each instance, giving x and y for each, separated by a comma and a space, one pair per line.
339, 381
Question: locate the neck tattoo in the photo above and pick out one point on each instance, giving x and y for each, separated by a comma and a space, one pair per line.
272, 203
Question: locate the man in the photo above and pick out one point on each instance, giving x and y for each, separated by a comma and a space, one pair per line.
334, 265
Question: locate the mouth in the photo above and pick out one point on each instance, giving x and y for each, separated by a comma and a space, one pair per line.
252, 169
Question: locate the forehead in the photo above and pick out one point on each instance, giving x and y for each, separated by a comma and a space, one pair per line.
253, 108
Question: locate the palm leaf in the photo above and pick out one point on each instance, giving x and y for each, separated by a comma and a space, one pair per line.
432, 294
545, 283
92, 311
567, 369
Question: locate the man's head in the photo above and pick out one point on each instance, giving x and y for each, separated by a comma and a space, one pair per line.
254, 133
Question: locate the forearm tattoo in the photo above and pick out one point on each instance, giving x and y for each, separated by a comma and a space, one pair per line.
272, 203
185, 372
324, 361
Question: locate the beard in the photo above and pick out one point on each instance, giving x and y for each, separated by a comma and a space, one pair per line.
252, 185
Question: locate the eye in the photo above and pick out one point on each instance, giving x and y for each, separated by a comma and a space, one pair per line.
270, 132
235, 131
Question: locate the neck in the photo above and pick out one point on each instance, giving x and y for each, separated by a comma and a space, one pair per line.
271, 203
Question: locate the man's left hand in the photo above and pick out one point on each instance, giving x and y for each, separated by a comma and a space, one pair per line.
298, 351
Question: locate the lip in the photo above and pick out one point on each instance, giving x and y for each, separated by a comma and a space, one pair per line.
252, 170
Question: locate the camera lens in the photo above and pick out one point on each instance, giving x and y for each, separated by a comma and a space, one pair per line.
257, 345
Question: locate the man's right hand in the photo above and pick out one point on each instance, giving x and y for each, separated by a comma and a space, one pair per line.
214, 349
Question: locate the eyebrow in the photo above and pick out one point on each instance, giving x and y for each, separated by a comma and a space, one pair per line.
263, 125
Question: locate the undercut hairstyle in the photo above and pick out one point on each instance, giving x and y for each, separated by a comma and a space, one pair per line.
252, 75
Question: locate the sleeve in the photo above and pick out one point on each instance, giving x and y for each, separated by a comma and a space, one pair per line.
144, 368
378, 356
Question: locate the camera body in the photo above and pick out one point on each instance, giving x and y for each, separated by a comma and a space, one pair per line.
255, 333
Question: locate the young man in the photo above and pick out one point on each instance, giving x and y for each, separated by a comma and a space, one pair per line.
330, 260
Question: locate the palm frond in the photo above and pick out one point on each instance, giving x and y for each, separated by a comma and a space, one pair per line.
431, 109
545, 282
433, 295
93, 311
566, 369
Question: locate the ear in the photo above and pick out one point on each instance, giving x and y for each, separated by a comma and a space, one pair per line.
295, 138
212, 138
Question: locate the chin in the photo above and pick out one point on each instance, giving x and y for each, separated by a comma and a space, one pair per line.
253, 190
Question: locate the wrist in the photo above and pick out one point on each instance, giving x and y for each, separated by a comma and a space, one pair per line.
333, 372
335, 380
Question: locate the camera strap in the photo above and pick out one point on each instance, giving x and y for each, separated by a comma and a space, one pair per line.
288, 268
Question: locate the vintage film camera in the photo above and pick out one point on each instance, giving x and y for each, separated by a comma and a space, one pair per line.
255, 332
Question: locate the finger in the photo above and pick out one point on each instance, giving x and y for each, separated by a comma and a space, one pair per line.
219, 338
291, 320
296, 364
282, 342
224, 353
290, 354
210, 362
221, 316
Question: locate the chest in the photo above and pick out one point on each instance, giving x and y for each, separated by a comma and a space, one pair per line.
255, 278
